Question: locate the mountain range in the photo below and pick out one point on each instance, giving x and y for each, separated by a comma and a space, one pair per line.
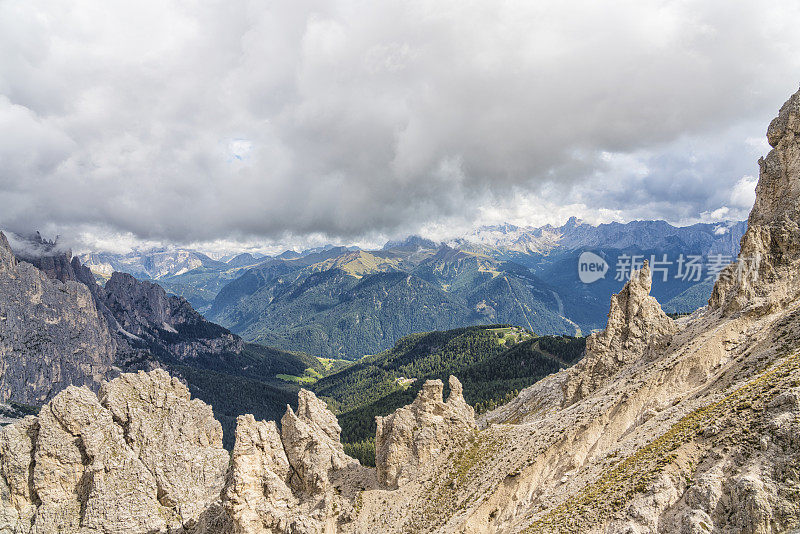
654, 424
59, 327
343, 302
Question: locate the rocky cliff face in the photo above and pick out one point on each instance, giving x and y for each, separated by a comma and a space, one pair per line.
165, 325
142, 458
142, 313
767, 276
58, 327
51, 334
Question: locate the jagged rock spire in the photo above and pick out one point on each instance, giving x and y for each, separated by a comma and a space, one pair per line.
294, 480
414, 435
766, 276
311, 441
7, 259
636, 327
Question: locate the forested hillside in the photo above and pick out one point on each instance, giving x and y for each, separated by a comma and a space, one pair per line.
493, 363
245, 383
361, 303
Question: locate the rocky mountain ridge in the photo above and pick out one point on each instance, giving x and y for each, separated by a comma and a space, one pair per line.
669, 426
51, 333
666, 426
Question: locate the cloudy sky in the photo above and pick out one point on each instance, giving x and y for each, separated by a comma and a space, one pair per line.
354, 121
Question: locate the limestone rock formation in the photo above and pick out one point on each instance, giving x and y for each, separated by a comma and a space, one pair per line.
145, 459
258, 497
637, 326
51, 334
17, 498
296, 481
311, 440
766, 276
86, 476
413, 436
176, 437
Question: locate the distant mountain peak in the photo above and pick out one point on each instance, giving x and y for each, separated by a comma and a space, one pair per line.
34, 246
411, 242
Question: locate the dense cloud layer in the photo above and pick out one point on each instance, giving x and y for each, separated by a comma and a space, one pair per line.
190, 121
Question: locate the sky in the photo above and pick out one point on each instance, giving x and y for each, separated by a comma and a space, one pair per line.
234, 124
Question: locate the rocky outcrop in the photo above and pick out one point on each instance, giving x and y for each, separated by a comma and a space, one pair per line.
415, 435
144, 459
637, 327
258, 497
85, 475
176, 437
767, 276
296, 481
165, 325
51, 334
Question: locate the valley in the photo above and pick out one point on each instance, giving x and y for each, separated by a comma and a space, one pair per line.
343, 303
425, 267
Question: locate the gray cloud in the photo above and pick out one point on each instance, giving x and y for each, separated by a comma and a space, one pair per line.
239, 120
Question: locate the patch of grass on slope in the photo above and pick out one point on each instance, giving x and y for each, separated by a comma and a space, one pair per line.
306, 379
608, 495
443, 499
325, 367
